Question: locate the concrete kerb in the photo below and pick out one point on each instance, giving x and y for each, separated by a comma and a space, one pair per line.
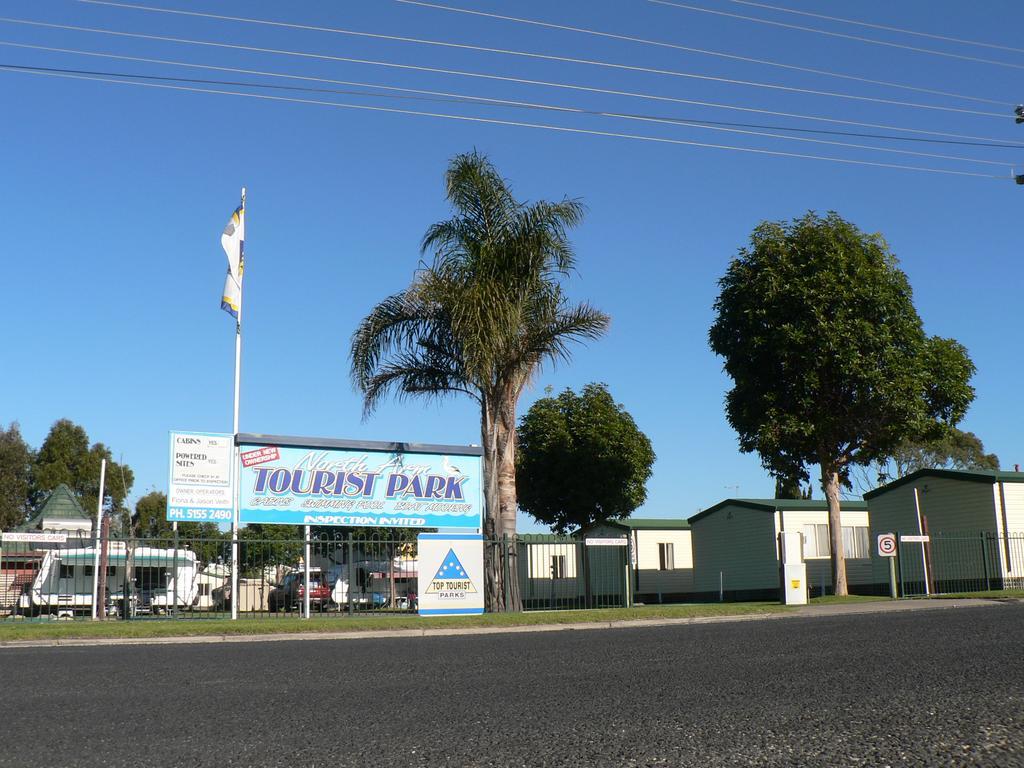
815, 611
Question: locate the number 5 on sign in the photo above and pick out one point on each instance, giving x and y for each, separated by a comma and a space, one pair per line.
886, 545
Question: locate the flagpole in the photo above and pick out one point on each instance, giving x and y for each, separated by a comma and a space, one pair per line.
236, 469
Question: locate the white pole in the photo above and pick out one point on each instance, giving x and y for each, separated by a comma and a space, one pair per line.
920, 530
99, 543
174, 597
305, 592
235, 469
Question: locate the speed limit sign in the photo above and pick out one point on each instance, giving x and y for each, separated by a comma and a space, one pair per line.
887, 545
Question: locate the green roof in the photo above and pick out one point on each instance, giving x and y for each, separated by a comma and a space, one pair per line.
776, 505
648, 524
545, 538
971, 476
61, 505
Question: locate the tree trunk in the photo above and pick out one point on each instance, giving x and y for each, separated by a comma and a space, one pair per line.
493, 572
506, 471
830, 482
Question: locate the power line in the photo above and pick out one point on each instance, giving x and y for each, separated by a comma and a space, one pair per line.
478, 101
524, 81
815, 30
486, 49
901, 30
470, 98
520, 124
703, 51
511, 79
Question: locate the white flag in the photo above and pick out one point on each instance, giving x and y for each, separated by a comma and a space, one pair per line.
233, 242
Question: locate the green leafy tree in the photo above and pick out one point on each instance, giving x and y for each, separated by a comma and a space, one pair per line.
952, 449
150, 518
791, 487
829, 361
481, 320
15, 477
265, 546
66, 457
582, 460
150, 522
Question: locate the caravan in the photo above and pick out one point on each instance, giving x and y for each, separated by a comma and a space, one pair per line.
159, 579
375, 583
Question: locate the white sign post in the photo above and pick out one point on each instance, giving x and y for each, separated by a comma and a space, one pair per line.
450, 579
201, 485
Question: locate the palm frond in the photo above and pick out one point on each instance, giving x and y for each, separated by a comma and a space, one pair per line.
409, 375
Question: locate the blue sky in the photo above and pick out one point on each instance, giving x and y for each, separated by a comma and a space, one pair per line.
113, 198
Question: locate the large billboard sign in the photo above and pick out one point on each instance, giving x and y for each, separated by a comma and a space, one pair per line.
311, 481
200, 477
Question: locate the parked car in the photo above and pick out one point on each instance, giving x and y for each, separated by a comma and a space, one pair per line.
291, 593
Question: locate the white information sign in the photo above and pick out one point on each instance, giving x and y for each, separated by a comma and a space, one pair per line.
887, 545
597, 542
915, 539
201, 478
450, 574
35, 537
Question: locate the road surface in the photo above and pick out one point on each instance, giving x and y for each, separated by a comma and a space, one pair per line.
930, 688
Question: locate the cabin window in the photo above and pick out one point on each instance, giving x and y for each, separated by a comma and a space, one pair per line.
558, 566
67, 571
204, 589
855, 541
816, 541
666, 557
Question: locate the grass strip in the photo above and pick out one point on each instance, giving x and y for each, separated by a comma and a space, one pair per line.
843, 599
167, 627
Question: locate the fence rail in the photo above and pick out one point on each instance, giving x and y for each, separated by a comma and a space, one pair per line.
953, 563
331, 574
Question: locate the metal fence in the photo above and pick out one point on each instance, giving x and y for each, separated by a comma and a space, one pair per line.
564, 573
333, 573
952, 563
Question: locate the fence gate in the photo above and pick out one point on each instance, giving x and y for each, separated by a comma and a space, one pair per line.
559, 572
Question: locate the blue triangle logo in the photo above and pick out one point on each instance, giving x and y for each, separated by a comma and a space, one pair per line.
451, 576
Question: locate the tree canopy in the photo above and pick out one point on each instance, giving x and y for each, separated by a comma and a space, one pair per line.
952, 449
582, 460
481, 320
829, 360
28, 477
16, 462
66, 457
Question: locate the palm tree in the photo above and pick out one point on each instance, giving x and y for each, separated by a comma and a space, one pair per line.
481, 320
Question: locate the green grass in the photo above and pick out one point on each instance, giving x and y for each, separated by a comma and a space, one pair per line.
833, 599
146, 628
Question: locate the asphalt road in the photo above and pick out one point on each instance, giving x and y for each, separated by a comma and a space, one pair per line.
912, 689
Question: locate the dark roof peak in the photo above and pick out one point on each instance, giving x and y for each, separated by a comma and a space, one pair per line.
61, 504
967, 475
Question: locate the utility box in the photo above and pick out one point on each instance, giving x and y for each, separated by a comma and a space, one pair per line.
792, 569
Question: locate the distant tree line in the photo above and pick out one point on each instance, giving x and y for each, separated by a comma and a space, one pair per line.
28, 477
